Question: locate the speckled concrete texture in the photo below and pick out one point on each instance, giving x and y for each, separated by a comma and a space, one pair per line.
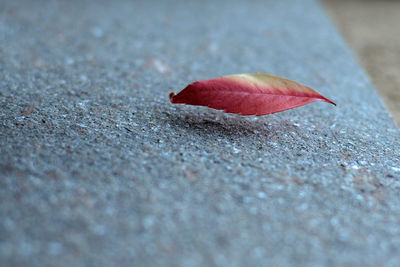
99, 169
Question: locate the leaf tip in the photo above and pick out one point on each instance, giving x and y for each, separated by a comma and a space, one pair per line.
330, 101
171, 97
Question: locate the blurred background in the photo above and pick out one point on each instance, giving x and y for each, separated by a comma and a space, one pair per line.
372, 29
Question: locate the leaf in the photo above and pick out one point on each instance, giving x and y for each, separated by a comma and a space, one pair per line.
248, 94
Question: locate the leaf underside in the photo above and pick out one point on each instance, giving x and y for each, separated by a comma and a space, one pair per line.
248, 94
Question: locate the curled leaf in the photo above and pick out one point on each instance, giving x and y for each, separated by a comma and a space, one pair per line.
248, 94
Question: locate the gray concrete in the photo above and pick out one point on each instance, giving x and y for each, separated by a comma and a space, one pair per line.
98, 168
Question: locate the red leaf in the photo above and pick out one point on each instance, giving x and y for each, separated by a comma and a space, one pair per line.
248, 94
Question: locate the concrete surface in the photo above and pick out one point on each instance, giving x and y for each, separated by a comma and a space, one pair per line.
99, 169
372, 28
